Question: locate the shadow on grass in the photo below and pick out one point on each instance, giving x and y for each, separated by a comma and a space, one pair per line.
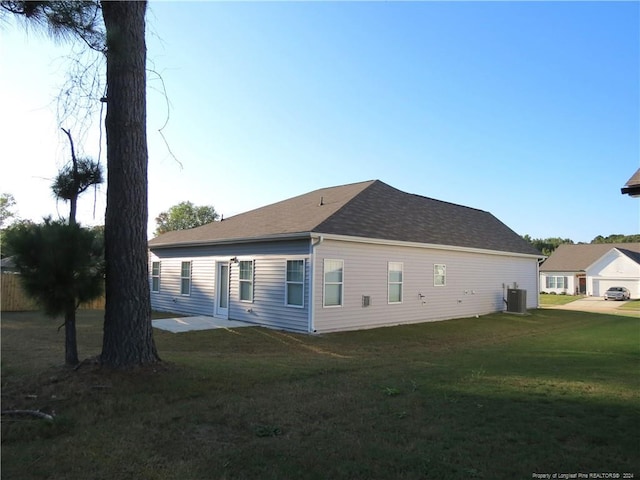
324, 425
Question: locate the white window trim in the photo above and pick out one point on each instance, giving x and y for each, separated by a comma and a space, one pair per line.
435, 275
554, 279
324, 284
389, 282
182, 278
287, 282
156, 276
251, 281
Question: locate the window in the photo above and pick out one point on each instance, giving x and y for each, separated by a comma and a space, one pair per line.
294, 294
185, 278
246, 281
155, 276
439, 275
394, 279
557, 282
333, 282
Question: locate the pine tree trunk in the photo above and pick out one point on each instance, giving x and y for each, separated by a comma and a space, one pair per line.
73, 207
128, 335
70, 341
73, 201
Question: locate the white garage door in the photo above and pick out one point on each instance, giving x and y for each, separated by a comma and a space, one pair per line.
601, 286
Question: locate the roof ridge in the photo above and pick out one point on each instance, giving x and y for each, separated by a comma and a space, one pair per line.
424, 197
350, 201
306, 194
449, 203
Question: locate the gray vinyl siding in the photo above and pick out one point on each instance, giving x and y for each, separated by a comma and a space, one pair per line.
268, 306
169, 299
474, 284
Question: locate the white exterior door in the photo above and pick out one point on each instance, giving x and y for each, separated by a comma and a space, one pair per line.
222, 290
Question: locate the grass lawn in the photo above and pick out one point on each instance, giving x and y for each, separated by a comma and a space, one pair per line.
632, 306
549, 300
499, 397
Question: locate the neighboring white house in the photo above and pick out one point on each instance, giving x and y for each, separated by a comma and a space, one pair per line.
591, 269
343, 258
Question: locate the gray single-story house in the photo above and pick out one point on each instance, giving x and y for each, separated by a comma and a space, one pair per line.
349, 257
590, 269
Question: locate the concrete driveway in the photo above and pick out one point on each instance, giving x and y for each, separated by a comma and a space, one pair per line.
591, 304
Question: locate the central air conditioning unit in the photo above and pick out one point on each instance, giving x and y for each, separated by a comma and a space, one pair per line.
516, 300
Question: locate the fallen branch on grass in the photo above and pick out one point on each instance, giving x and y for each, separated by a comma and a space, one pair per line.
31, 413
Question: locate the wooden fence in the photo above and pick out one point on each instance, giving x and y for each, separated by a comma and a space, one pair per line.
13, 298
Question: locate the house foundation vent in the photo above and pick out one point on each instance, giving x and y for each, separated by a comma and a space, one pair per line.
516, 300
366, 300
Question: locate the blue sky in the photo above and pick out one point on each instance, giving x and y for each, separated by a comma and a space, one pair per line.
528, 110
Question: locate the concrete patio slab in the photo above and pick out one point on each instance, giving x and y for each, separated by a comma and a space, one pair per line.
201, 322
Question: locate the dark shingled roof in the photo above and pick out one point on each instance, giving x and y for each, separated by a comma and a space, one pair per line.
370, 209
632, 187
635, 256
296, 215
576, 258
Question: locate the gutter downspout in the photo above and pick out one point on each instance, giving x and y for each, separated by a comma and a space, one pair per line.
538, 263
538, 283
312, 303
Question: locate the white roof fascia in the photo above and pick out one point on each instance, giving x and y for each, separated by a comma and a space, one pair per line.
344, 238
433, 246
227, 241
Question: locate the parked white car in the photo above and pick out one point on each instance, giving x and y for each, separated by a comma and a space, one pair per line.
617, 293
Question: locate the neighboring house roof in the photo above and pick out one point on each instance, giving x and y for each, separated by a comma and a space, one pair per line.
8, 265
7, 262
576, 258
635, 256
632, 187
369, 209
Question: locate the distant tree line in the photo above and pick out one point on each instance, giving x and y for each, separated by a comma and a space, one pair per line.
548, 245
617, 239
